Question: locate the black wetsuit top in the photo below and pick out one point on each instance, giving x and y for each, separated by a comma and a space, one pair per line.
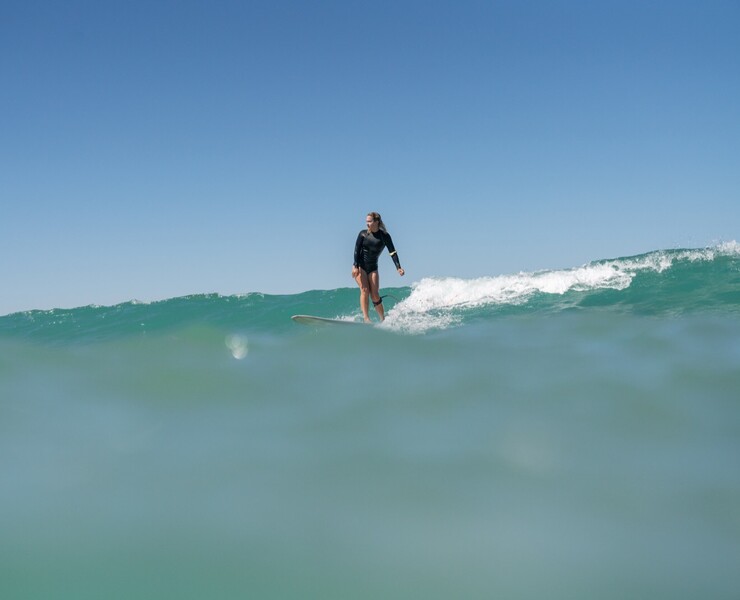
368, 248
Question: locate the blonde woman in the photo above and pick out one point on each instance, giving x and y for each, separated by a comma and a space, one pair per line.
368, 247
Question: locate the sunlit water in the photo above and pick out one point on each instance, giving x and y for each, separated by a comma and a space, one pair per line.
580, 442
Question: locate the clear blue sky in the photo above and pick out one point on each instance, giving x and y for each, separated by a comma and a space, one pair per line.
161, 148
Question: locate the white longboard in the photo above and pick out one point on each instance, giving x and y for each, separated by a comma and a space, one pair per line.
311, 320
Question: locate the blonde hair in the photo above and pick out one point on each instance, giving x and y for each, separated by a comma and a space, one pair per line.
377, 217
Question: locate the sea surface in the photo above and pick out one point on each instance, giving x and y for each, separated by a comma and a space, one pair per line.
567, 434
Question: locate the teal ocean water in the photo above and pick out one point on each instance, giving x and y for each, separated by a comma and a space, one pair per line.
558, 434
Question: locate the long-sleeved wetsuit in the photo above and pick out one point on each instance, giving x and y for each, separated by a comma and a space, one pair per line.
368, 247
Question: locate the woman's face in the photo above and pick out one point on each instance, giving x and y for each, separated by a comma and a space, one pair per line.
372, 224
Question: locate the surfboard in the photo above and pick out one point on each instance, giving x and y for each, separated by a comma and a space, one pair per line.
311, 320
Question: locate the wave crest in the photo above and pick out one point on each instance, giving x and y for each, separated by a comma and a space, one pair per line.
438, 302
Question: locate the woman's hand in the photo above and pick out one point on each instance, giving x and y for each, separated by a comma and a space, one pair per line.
401, 272
355, 272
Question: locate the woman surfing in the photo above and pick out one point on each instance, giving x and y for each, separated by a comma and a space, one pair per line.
368, 247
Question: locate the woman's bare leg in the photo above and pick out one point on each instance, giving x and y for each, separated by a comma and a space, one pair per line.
362, 281
374, 281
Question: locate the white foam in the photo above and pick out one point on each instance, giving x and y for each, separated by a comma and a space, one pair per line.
729, 248
433, 300
409, 321
450, 292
